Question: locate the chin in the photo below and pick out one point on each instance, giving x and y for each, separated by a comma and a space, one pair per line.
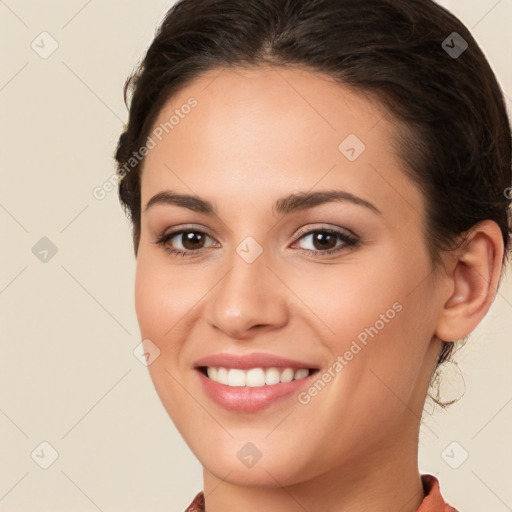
259, 464
269, 475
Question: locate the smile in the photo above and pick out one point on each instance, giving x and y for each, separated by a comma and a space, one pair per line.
254, 377
251, 382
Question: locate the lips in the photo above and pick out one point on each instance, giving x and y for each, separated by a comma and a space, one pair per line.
243, 396
254, 360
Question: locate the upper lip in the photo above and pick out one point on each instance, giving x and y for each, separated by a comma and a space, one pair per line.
253, 360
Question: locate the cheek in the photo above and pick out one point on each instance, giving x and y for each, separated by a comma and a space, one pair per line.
148, 300
379, 321
167, 305
347, 302
163, 297
159, 305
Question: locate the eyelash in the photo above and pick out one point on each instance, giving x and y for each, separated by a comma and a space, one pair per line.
349, 241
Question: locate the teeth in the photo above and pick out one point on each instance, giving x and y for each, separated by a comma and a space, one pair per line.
222, 375
212, 372
272, 376
255, 377
300, 374
236, 377
287, 375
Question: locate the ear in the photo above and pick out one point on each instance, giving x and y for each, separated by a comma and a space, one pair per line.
473, 278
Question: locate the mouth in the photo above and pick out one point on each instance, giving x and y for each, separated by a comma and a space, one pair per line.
249, 390
254, 377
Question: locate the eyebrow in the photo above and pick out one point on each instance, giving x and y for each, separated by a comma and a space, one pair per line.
283, 206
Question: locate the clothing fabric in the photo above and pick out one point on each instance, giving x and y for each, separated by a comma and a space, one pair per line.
433, 501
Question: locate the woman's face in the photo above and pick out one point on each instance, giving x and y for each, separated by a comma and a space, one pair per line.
340, 284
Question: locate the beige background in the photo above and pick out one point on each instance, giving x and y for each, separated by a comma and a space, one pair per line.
68, 375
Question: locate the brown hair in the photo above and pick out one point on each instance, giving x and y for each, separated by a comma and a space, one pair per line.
457, 140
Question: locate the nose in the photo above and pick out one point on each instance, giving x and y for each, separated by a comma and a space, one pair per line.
248, 299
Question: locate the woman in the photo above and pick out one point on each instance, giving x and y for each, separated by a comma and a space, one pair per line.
318, 191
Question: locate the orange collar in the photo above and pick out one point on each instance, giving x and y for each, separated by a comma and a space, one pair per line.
433, 501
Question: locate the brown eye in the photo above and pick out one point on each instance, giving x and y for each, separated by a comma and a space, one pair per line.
325, 241
192, 240
184, 242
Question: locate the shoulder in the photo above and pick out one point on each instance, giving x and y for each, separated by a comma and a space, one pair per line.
197, 504
433, 501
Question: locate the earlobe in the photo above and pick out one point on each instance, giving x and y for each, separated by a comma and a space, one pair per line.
474, 278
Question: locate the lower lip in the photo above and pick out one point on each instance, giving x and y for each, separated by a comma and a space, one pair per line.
250, 399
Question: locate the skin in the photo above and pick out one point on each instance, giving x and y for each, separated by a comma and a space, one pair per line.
257, 135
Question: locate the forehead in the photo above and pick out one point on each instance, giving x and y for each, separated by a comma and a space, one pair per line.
260, 130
